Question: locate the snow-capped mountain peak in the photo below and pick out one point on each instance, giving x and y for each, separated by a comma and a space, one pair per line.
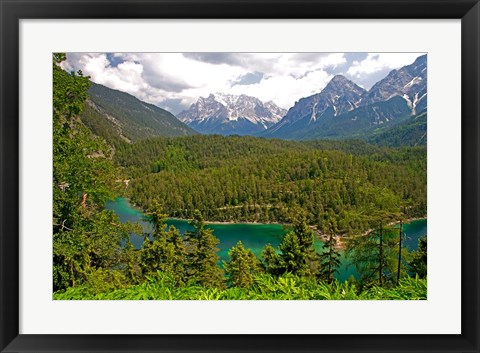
231, 114
409, 82
339, 96
342, 106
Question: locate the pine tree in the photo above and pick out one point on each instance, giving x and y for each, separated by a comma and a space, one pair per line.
303, 231
418, 265
292, 257
305, 235
242, 266
202, 258
162, 251
330, 257
270, 260
374, 255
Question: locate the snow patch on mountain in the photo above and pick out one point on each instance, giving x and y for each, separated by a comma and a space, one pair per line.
230, 114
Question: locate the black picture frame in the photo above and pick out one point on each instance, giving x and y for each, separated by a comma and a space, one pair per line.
12, 11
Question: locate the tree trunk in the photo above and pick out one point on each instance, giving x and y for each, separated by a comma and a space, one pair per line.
399, 252
380, 265
84, 200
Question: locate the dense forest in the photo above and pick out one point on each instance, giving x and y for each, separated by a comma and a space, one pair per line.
334, 188
261, 180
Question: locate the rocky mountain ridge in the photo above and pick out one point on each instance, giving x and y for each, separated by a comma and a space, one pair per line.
228, 114
343, 109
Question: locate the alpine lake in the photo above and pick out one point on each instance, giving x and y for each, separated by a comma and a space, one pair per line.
253, 235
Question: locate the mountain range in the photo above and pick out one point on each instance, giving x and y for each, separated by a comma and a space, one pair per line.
227, 114
392, 112
343, 109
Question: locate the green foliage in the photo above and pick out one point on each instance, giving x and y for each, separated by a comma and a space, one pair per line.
261, 180
202, 255
241, 267
285, 287
408, 289
375, 256
412, 132
103, 280
270, 260
330, 257
295, 253
118, 116
303, 232
70, 90
163, 250
339, 188
176, 159
418, 265
292, 258
86, 238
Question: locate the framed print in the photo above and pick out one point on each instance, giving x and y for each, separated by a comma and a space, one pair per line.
238, 176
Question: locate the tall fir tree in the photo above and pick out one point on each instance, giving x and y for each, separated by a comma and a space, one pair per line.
163, 250
375, 255
418, 265
292, 258
202, 257
242, 266
330, 257
270, 260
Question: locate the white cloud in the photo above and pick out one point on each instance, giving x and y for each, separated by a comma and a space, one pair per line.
127, 76
376, 62
182, 78
285, 90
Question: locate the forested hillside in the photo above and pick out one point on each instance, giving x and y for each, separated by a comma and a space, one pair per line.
412, 132
120, 117
261, 180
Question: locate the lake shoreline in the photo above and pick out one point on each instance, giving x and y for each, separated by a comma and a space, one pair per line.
253, 235
230, 222
141, 210
341, 239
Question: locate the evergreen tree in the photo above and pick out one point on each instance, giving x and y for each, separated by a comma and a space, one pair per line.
132, 260
163, 251
242, 266
418, 265
292, 257
374, 255
305, 236
202, 258
296, 253
270, 260
302, 230
251, 179
86, 237
330, 257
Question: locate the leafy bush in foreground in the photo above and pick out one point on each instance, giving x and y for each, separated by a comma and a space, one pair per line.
285, 287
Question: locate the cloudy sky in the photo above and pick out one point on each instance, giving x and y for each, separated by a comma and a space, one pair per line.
173, 81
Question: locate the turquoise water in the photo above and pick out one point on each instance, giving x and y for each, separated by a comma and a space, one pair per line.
253, 236
412, 231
